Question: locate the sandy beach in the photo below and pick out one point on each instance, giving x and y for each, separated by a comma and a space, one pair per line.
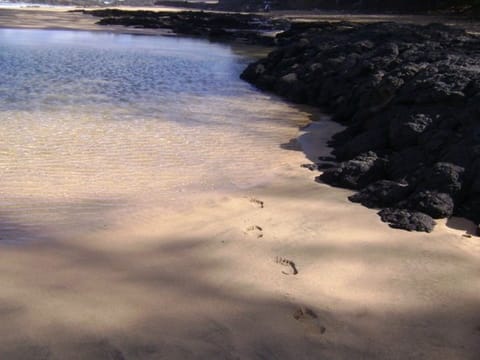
289, 269
64, 19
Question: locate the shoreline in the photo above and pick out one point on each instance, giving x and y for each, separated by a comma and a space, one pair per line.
63, 18
408, 111
410, 199
205, 282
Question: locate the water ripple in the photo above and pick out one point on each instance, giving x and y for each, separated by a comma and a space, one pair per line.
141, 119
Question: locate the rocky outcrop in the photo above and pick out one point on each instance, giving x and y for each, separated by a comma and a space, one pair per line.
407, 220
409, 96
356, 173
355, 5
380, 194
248, 28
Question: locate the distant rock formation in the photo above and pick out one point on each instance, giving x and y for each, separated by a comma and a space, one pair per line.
247, 28
361, 5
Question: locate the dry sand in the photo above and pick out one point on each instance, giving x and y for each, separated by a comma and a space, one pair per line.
63, 18
203, 282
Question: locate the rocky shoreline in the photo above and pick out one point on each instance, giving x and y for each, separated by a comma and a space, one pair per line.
246, 28
409, 96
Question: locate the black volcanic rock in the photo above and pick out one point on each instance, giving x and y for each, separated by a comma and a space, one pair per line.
407, 220
437, 205
409, 96
355, 173
383, 193
248, 28
443, 177
405, 128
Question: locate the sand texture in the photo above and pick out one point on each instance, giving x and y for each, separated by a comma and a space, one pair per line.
286, 270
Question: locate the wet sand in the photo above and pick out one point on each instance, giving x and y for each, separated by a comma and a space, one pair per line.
215, 279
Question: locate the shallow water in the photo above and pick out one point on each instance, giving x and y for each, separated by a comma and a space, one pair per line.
97, 123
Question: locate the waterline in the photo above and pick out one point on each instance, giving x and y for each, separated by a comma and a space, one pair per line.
104, 119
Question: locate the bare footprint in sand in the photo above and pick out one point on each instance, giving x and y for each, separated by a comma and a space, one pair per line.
257, 202
288, 263
303, 313
309, 317
254, 230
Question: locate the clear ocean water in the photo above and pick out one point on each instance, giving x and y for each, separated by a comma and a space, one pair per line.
91, 122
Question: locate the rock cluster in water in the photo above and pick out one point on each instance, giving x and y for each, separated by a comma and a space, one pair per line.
249, 28
409, 96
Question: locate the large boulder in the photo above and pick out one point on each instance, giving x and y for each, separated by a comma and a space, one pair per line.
443, 178
355, 173
371, 140
437, 205
407, 220
407, 163
383, 193
405, 129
